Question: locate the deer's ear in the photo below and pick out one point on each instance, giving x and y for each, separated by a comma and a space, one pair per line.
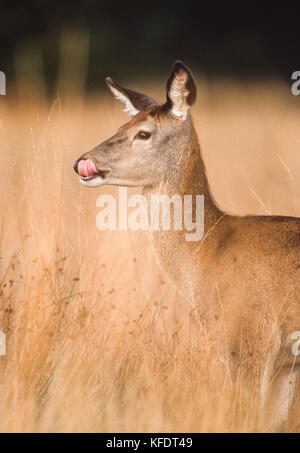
181, 90
134, 101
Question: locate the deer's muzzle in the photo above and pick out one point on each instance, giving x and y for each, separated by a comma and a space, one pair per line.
86, 168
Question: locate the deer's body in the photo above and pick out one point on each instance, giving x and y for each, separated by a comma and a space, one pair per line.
244, 275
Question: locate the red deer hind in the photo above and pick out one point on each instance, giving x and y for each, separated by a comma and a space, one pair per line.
250, 264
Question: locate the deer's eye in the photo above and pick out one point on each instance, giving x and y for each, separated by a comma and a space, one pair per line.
142, 135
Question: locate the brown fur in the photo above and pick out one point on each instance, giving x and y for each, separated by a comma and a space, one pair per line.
243, 277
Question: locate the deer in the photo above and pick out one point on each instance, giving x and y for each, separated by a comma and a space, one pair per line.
245, 271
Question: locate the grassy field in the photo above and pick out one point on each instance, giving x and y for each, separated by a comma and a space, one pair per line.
97, 340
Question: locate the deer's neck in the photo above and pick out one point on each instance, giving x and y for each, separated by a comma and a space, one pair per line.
186, 176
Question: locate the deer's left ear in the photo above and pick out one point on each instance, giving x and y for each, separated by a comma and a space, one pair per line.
181, 90
134, 101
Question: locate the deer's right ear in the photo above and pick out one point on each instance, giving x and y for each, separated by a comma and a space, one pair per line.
181, 90
134, 101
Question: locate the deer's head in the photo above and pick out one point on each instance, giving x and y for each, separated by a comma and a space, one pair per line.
143, 151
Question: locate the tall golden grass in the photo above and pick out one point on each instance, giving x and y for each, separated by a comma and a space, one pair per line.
97, 339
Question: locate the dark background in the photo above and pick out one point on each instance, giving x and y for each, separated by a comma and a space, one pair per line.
243, 40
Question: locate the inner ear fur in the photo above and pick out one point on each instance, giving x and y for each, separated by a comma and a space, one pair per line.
134, 101
181, 90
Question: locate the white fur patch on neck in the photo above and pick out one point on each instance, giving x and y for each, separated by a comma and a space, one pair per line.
129, 108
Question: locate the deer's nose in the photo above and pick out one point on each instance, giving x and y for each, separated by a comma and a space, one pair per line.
75, 165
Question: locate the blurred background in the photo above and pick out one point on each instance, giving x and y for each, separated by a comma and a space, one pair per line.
131, 39
97, 338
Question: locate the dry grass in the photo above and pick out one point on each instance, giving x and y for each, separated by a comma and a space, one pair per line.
96, 338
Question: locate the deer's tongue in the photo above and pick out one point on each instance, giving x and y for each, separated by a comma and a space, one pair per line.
87, 168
